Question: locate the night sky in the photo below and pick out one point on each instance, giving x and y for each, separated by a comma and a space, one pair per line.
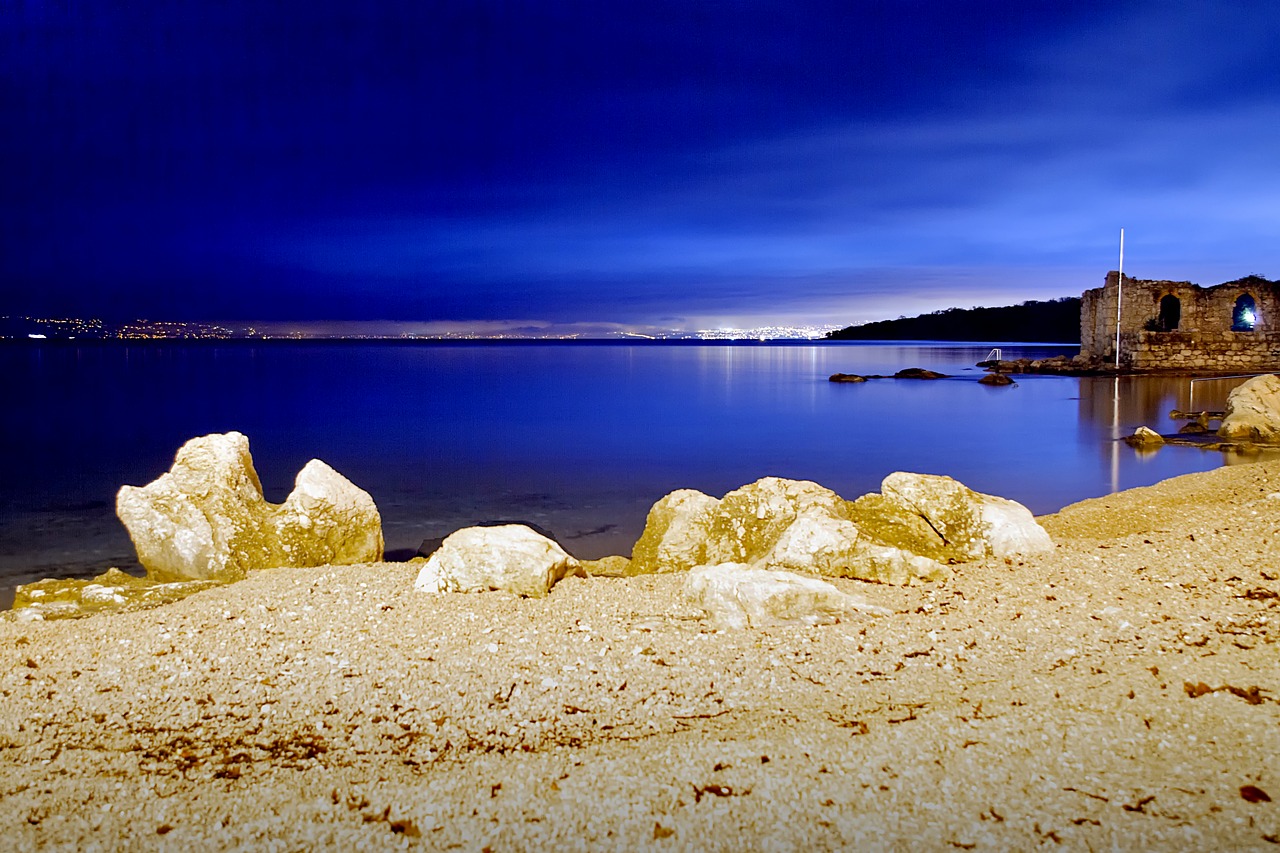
681, 164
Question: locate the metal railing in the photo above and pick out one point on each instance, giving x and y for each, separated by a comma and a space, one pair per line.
994, 355
1191, 386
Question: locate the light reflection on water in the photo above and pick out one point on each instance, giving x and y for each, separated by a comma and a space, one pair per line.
580, 439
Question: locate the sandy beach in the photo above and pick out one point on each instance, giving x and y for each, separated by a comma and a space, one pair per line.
1122, 692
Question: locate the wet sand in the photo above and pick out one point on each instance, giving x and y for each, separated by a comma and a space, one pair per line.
1122, 692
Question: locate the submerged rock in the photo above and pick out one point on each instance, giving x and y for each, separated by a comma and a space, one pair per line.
1253, 411
918, 373
510, 558
846, 377
733, 595
111, 591
1144, 437
206, 519
996, 379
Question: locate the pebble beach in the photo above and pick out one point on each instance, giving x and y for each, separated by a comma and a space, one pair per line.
1121, 692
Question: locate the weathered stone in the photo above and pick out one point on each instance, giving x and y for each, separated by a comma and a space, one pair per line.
675, 533
821, 543
510, 558
997, 379
847, 377
609, 567
1009, 528
1253, 410
939, 518
111, 591
748, 522
207, 519
1144, 437
733, 595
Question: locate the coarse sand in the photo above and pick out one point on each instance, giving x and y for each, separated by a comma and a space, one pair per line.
1122, 692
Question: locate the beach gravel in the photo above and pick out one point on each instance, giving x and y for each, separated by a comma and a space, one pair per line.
1121, 691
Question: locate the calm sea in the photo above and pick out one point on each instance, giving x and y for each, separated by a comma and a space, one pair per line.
578, 438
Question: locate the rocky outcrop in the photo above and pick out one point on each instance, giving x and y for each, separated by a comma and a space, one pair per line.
206, 519
996, 379
1253, 411
910, 532
510, 558
109, 592
733, 595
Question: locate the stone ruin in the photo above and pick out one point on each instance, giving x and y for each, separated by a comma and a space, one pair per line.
1176, 325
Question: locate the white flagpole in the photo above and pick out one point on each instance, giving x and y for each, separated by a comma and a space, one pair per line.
1119, 293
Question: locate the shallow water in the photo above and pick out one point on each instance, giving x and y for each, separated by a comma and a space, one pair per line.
578, 438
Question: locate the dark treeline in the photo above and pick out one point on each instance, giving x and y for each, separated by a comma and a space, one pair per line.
1055, 321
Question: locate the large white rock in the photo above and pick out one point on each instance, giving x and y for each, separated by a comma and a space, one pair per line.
509, 557
207, 519
1009, 528
820, 543
733, 595
939, 518
675, 533
1253, 410
749, 521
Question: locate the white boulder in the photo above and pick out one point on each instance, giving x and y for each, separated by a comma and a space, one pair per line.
939, 518
733, 595
1009, 528
749, 521
206, 519
1253, 410
675, 533
509, 557
821, 543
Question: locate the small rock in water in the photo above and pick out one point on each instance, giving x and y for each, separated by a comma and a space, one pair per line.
996, 379
1144, 437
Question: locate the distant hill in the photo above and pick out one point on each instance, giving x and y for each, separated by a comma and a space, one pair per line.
1054, 321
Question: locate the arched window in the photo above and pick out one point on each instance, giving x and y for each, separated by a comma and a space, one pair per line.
1170, 313
1245, 315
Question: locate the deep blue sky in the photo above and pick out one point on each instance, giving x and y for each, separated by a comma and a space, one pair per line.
670, 162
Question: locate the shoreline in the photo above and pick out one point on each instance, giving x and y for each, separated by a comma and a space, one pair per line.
1122, 691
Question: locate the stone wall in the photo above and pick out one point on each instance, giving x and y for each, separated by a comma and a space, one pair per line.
1193, 332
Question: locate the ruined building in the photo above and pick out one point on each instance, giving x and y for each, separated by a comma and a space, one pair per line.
1177, 325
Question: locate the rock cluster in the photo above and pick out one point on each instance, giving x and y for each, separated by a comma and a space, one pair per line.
911, 531
1253, 411
206, 519
206, 522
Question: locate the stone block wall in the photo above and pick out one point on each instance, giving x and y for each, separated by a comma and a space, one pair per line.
1200, 339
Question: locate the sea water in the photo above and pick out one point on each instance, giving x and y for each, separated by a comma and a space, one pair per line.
579, 438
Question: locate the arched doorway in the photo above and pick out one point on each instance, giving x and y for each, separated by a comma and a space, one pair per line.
1170, 313
1245, 315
